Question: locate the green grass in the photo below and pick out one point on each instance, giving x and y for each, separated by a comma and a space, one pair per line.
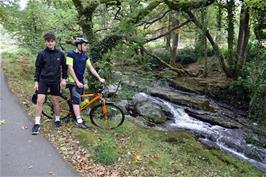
151, 152
136, 150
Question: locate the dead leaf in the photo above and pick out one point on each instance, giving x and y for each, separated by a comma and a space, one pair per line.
137, 158
2, 122
24, 127
157, 156
51, 173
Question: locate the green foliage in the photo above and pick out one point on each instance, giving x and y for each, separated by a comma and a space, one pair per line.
30, 24
106, 154
257, 4
15, 54
164, 55
102, 47
242, 86
255, 52
257, 107
104, 69
184, 56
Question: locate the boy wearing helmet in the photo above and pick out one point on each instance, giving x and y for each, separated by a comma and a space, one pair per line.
50, 73
77, 61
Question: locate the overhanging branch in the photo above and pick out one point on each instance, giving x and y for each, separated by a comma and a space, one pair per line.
168, 32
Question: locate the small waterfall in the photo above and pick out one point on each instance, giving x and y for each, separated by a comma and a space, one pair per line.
229, 140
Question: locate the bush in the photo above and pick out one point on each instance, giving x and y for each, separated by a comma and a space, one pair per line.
257, 106
255, 52
186, 59
17, 53
164, 55
184, 56
241, 87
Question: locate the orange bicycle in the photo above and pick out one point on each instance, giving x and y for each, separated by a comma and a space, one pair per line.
105, 115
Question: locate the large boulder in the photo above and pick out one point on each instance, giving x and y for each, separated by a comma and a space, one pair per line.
152, 110
184, 98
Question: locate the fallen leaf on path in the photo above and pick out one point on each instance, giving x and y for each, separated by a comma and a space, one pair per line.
2, 122
51, 173
24, 127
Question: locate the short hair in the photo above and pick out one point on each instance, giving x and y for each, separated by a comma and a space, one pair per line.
49, 36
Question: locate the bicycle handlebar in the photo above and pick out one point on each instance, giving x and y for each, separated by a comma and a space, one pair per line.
102, 88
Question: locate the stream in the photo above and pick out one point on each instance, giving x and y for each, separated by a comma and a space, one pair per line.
229, 140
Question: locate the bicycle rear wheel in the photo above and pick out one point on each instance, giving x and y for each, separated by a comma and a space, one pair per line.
48, 108
113, 119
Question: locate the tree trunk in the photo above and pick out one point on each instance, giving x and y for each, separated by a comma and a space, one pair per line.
243, 38
85, 18
175, 37
230, 30
204, 40
216, 48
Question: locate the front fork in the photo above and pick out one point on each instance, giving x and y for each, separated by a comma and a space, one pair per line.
104, 109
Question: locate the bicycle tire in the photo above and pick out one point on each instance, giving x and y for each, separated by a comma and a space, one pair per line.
48, 108
115, 119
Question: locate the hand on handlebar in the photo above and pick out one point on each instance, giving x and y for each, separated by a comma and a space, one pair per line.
102, 80
80, 85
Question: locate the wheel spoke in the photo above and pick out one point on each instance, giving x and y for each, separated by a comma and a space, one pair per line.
113, 117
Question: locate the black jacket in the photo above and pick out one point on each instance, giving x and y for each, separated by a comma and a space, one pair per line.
49, 65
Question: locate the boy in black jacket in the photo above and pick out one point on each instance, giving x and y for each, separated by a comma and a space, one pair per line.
50, 73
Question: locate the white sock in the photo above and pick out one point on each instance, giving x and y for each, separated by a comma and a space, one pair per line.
37, 120
79, 120
57, 118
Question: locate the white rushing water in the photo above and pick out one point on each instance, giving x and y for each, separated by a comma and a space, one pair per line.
229, 140
183, 120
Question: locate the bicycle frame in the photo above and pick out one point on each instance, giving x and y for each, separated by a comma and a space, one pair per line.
96, 97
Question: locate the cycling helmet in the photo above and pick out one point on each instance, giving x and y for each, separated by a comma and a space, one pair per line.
80, 40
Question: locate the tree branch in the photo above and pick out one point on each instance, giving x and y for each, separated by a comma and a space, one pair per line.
179, 71
187, 5
102, 29
168, 32
148, 23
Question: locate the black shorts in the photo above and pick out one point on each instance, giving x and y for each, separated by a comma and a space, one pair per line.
44, 86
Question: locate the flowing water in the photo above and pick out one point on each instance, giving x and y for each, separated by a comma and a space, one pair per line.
229, 140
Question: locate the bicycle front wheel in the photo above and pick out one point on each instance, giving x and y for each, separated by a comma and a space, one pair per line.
48, 108
112, 118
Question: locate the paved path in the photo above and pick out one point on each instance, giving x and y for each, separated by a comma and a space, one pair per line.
21, 153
